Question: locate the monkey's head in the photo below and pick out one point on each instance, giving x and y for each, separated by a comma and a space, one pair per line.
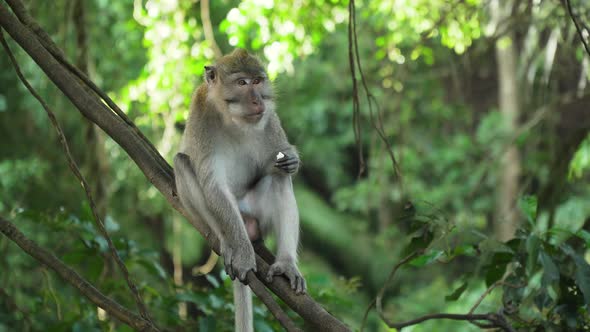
239, 86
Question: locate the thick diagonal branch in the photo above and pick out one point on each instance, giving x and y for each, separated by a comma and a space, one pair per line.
76, 170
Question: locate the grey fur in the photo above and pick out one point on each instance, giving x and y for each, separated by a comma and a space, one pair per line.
227, 166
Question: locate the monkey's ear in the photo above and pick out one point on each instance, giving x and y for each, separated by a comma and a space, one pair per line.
210, 74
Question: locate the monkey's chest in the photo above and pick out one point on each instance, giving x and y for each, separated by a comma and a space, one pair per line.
243, 171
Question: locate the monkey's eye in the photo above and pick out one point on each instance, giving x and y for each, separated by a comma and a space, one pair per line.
256, 81
242, 82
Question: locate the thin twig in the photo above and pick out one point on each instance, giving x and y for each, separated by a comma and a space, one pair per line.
356, 115
75, 169
578, 28
72, 277
377, 124
495, 320
379, 297
483, 296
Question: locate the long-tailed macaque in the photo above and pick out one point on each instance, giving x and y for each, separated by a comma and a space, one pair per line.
234, 172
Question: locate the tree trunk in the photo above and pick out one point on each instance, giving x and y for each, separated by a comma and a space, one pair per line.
95, 160
506, 218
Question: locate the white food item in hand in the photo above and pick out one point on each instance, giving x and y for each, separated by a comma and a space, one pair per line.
280, 155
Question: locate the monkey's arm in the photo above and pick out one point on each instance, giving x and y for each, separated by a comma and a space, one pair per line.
214, 204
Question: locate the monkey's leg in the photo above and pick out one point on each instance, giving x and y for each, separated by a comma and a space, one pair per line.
221, 215
273, 202
189, 191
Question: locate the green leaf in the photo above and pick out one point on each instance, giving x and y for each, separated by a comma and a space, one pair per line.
419, 242
212, 280
583, 276
207, 324
584, 235
153, 267
550, 270
495, 270
454, 296
528, 206
533, 243
465, 250
426, 258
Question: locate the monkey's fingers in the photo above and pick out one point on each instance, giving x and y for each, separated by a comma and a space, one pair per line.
228, 267
243, 277
286, 159
301, 286
288, 166
230, 272
274, 270
289, 169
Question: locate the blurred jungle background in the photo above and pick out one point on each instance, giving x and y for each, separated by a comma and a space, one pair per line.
472, 151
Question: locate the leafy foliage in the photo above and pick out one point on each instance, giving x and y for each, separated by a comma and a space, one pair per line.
429, 66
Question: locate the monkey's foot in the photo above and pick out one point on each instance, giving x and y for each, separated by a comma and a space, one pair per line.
291, 272
238, 260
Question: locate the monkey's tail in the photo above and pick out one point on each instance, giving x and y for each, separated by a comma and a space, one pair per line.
243, 306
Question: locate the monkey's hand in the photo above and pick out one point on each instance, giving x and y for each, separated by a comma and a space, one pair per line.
238, 259
288, 163
291, 272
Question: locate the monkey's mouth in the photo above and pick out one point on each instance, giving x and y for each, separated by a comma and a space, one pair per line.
255, 116
256, 112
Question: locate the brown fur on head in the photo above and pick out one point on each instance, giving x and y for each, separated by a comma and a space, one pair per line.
240, 61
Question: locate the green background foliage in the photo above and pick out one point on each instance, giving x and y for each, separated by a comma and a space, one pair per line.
430, 66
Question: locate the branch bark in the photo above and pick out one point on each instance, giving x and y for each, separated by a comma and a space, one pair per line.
88, 290
208, 28
151, 163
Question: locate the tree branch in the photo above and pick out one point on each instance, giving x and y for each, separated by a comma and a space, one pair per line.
76, 171
494, 320
208, 29
88, 290
148, 160
260, 291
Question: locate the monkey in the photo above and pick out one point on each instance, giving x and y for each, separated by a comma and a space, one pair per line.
234, 171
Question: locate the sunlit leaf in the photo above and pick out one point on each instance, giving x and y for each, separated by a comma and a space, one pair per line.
427, 258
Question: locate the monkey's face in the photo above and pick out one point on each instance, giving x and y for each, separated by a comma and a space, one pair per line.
239, 86
248, 96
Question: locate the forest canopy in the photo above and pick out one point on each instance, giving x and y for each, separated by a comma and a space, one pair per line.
444, 180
